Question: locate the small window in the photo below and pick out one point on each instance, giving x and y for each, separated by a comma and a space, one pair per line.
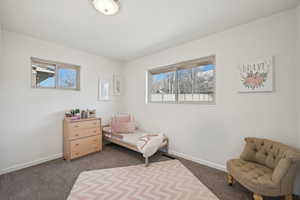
50, 74
43, 75
187, 82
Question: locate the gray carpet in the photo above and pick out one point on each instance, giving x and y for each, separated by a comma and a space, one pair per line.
53, 180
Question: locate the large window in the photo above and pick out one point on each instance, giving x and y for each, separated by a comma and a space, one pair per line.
187, 82
50, 74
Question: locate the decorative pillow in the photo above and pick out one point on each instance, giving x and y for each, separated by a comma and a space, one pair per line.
123, 118
123, 127
122, 124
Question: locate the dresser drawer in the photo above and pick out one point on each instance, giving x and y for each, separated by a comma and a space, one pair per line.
84, 132
85, 146
85, 125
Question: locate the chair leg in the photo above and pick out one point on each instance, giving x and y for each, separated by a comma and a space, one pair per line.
229, 179
288, 197
146, 161
257, 197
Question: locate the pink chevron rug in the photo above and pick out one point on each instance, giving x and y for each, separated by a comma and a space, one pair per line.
167, 180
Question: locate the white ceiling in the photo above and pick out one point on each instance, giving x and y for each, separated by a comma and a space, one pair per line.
142, 27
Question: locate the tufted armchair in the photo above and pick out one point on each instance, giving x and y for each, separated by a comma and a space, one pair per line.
266, 168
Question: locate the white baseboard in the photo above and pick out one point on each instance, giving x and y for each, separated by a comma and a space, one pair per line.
29, 164
200, 161
52, 157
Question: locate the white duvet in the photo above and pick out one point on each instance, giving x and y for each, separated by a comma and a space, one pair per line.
148, 144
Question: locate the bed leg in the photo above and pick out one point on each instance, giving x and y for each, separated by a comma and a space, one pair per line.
146, 161
167, 148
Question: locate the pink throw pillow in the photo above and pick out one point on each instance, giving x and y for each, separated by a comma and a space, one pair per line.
122, 124
124, 127
123, 118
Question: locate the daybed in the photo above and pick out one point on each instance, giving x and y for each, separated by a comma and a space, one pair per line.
130, 141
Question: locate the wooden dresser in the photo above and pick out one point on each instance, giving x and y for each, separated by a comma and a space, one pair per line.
82, 137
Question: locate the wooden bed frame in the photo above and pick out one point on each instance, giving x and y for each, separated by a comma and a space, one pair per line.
164, 147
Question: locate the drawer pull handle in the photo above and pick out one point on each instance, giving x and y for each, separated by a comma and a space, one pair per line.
76, 144
76, 135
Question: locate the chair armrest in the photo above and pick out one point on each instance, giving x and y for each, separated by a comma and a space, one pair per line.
288, 162
294, 156
281, 169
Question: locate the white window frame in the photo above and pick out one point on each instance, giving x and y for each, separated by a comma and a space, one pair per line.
190, 64
58, 65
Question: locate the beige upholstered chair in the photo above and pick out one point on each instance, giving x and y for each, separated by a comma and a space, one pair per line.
266, 168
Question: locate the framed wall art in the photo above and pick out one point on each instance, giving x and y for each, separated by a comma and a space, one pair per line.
116, 84
256, 76
103, 93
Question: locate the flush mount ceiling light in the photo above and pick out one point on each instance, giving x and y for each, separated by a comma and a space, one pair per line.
107, 7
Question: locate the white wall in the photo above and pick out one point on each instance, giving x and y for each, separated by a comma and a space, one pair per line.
297, 182
1, 44
213, 134
31, 119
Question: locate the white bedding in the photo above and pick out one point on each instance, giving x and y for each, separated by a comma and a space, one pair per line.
129, 138
133, 138
149, 144
138, 139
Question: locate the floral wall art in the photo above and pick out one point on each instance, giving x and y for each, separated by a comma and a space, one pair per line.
256, 76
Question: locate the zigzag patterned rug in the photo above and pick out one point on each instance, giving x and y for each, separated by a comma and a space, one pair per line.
167, 180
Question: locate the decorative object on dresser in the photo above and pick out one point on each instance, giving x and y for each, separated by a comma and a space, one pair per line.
91, 113
82, 137
77, 114
73, 114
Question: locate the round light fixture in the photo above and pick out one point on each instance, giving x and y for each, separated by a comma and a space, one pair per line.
107, 7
